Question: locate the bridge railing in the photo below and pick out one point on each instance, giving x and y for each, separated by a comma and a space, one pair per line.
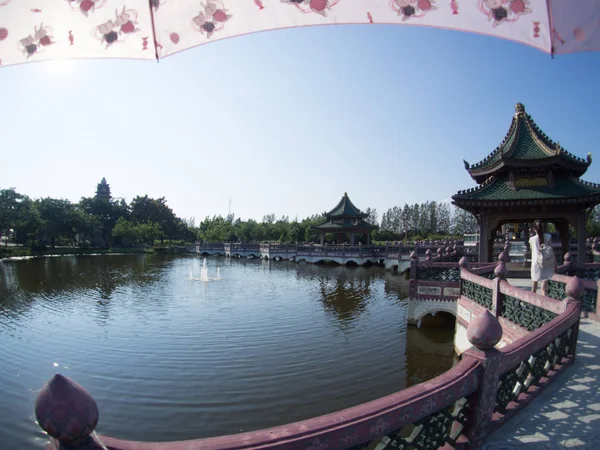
543, 348
240, 247
218, 247
588, 272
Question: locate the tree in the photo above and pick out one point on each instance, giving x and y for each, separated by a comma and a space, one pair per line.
145, 209
9, 204
126, 232
372, 217
463, 222
106, 214
60, 220
269, 218
28, 221
443, 218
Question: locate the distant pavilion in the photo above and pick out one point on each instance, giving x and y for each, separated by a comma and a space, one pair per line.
346, 221
527, 177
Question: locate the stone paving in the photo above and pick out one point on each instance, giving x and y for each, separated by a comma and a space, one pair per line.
567, 413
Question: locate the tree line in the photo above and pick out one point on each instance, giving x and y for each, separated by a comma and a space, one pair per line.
90, 222
429, 220
147, 221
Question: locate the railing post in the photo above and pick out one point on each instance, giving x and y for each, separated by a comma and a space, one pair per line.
574, 291
414, 262
68, 413
568, 261
484, 333
463, 264
500, 273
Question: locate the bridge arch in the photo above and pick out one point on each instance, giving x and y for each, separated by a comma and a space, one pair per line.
433, 312
420, 308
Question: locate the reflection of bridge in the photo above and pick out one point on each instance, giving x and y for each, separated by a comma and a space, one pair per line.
514, 343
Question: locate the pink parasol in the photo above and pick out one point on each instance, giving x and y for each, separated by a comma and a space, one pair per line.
37, 30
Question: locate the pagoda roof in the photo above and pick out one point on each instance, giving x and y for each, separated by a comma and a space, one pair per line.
345, 208
497, 190
527, 146
346, 225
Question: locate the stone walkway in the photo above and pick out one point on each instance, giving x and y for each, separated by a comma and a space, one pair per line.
567, 413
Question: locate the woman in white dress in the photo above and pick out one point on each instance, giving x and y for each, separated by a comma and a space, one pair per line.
539, 273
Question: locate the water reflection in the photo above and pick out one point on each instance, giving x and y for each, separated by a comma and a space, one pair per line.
270, 343
346, 299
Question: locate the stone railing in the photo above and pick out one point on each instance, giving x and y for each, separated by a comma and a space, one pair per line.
539, 334
589, 273
449, 252
397, 251
335, 251
432, 280
199, 248
232, 248
515, 308
457, 409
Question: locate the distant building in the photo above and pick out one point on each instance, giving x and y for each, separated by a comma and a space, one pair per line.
345, 221
103, 190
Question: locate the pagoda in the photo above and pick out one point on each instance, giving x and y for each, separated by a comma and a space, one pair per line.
103, 190
345, 220
527, 177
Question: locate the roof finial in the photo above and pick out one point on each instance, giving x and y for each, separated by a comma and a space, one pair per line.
345, 194
519, 108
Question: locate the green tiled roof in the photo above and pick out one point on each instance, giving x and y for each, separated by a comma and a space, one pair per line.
345, 208
497, 190
525, 141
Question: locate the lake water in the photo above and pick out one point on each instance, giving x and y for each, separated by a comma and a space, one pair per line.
168, 357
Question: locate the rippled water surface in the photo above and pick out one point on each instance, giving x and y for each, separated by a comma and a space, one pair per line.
169, 357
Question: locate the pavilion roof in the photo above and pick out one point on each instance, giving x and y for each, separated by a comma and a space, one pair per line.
527, 146
345, 208
346, 225
498, 190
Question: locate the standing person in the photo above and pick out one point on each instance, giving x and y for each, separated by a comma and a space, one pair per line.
539, 273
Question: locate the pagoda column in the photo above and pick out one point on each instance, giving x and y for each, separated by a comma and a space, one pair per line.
563, 228
352, 238
322, 238
581, 237
486, 241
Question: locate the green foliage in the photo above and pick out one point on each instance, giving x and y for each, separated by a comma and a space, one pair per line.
93, 221
424, 221
147, 221
219, 229
592, 225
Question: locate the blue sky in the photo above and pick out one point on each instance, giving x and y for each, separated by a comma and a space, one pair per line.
285, 121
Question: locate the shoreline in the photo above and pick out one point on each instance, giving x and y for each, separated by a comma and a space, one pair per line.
17, 253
